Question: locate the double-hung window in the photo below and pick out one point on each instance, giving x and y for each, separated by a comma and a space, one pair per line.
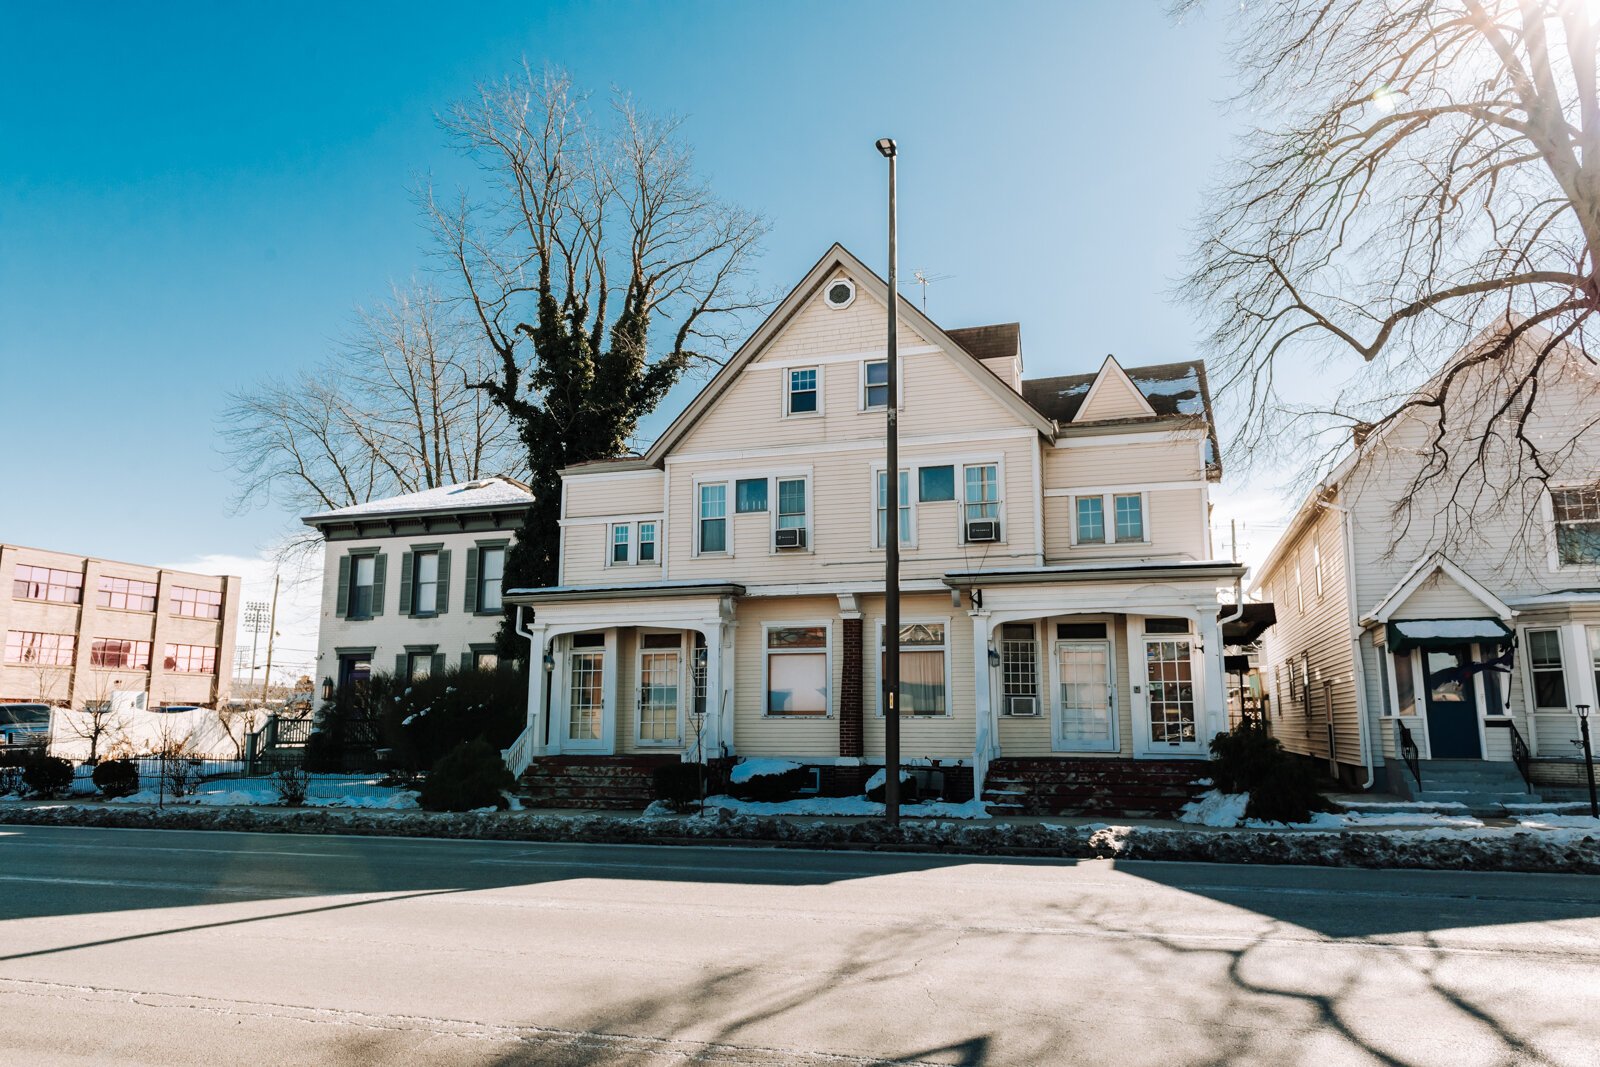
804, 392
907, 529
630, 543
1111, 518
1549, 678
1577, 517
797, 670
713, 518
875, 385
363, 570
922, 669
647, 542
620, 552
791, 503
982, 494
1091, 520
1130, 516
491, 574
425, 583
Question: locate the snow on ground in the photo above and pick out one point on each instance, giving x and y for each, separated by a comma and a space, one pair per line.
879, 778
1547, 820
1215, 808
747, 769
930, 809
324, 791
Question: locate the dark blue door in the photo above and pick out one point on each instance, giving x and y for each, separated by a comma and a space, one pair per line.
1452, 707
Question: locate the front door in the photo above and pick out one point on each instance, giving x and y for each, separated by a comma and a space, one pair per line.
586, 699
1173, 715
1085, 698
660, 689
1452, 706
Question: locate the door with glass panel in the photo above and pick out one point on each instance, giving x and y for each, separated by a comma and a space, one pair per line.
586, 668
1173, 713
660, 688
1085, 699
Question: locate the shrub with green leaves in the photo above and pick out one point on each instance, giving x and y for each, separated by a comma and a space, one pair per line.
47, 776
1281, 787
470, 776
421, 719
116, 777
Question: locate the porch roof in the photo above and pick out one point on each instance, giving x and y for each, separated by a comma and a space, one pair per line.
557, 594
1137, 570
1403, 635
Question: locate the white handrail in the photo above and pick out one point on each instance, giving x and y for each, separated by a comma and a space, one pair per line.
519, 757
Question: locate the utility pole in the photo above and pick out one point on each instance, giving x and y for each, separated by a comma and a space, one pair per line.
272, 632
891, 527
255, 616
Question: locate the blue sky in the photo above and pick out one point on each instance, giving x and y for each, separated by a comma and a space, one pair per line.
192, 196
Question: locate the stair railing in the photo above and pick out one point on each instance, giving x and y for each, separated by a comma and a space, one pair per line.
519, 757
1409, 751
1520, 754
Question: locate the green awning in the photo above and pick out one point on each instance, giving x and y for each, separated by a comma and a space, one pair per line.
1406, 634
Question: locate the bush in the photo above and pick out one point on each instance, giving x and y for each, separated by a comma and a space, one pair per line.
47, 776
772, 787
419, 720
470, 776
324, 754
1250, 760
292, 784
678, 785
116, 777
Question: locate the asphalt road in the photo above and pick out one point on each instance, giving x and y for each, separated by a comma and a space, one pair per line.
159, 947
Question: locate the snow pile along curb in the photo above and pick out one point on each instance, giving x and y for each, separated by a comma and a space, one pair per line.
1567, 850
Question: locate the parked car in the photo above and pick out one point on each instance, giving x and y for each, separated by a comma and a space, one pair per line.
24, 724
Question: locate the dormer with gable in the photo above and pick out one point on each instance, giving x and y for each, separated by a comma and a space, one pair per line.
734, 572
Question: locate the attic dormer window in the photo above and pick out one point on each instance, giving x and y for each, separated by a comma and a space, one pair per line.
840, 294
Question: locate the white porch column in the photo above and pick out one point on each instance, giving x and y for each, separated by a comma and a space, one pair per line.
726, 644
1576, 664
1212, 678
710, 734
986, 741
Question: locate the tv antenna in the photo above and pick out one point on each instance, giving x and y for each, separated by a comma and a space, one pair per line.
925, 279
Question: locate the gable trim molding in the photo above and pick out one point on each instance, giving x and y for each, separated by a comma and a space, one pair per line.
1421, 571
1108, 370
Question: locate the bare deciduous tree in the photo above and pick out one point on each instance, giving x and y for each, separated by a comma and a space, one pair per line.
1424, 169
584, 235
393, 410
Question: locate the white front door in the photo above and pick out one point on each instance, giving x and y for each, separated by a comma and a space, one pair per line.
1085, 704
660, 695
1173, 714
585, 700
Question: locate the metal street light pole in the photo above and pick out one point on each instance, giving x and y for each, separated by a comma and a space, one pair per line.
891, 527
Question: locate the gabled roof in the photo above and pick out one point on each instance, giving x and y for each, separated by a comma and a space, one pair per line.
867, 281
1425, 568
485, 493
1172, 390
1000, 341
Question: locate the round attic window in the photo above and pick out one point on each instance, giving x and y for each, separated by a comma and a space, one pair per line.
839, 294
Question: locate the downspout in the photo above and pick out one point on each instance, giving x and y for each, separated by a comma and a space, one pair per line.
1357, 664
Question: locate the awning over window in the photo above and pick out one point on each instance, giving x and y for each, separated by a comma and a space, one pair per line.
1407, 634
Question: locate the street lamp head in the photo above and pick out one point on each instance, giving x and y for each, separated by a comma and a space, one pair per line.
1583, 711
886, 147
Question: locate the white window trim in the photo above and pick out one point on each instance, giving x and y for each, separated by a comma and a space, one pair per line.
1548, 503
1040, 696
772, 512
999, 465
1108, 515
1055, 704
1316, 565
767, 652
1299, 587
728, 506
685, 682
949, 695
862, 407
822, 392
632, 526
1532, 700
879, 543
828, 286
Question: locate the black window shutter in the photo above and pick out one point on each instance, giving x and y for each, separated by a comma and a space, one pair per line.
400, 664
467, 660
442, 600
469, 602
342, 597
380, 576
406, 563
438, 663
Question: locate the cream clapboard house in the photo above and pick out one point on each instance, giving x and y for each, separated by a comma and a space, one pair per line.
721, 595
1464, 636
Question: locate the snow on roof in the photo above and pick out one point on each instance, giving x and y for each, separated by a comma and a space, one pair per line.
483, 493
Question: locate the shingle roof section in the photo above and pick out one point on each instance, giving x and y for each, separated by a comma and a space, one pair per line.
1000, 341
483, 493
1173, 390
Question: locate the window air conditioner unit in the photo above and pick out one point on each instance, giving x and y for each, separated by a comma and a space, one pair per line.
983, 530
790, 538
1022, 705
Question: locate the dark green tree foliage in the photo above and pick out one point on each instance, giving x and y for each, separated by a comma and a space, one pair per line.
116, 777
468, 777
585, 236
422, 719
47, 776
1281, 787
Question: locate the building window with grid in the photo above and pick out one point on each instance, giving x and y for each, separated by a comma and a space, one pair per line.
922, 664
875, 385
1019, 669
1130, 516
713, 522
40, 650
791, 503
647, 542
47, 583
196, 603
906, 525
425, 570
491, 572
1577, 517
190, 659
115, 654
126, 594
620, 550
699, 659
1091, 519
363, 573
803, 395
797, 670
983, 492
1549, 676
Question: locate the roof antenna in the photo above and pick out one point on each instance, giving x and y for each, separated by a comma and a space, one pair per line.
924, 279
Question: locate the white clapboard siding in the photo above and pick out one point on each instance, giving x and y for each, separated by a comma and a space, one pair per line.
755, 732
